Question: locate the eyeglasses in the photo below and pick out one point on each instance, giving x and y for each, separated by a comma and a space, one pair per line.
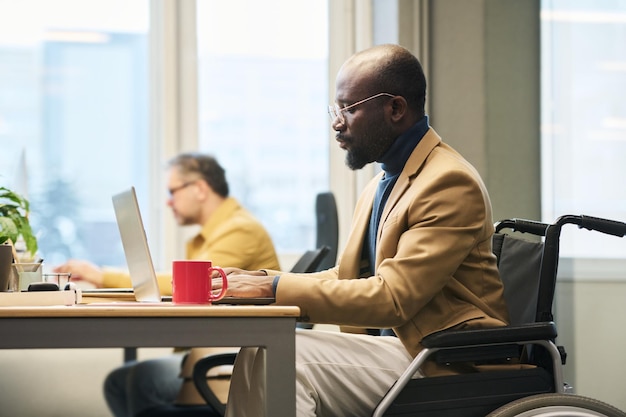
174, 190
336, 112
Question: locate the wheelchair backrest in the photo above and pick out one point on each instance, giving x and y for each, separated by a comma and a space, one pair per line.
519, 263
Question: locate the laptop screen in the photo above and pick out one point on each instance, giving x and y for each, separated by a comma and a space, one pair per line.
135, 243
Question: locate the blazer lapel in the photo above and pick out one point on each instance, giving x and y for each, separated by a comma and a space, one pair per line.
360, 224
425, 146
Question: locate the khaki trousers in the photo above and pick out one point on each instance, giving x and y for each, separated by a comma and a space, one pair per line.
337, 374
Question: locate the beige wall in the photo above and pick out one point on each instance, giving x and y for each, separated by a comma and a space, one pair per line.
590, 316
484, 94
484, 100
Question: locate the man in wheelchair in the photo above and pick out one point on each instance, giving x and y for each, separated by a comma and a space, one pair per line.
418, 259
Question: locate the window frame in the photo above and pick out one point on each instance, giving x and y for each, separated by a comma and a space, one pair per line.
173, 89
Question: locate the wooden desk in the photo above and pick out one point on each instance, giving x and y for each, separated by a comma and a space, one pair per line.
165, 325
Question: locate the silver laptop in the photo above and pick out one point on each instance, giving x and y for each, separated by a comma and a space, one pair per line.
136, 250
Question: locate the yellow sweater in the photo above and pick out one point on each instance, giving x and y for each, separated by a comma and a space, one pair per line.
231, 238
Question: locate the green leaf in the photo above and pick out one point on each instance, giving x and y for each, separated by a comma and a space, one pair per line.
29, 238
14, 222
20, 201
8, 229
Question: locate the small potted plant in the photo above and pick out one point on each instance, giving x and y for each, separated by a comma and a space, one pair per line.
14, 222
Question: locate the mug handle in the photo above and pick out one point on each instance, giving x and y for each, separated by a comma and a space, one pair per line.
224, 283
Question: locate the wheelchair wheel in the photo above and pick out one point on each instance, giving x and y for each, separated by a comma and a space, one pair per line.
557, 405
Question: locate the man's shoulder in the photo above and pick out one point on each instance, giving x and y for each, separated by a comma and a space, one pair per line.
232, 212
437, 149
431, 150
240, 218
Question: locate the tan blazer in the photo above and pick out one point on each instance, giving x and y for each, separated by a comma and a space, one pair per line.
435, 268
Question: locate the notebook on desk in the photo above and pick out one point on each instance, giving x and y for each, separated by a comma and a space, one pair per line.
139, 259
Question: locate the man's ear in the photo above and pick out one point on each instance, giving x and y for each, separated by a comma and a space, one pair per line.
203, 189
399, 107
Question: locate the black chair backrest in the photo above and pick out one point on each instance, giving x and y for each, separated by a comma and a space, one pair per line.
327, 228
310, 260
519, 263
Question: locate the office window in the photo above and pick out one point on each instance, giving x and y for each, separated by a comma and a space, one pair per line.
74, 118
263, 92
584, 119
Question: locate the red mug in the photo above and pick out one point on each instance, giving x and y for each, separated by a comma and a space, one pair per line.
192, 282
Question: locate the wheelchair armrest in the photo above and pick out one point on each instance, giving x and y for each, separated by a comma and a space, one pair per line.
493, 345
495, 335
200, 370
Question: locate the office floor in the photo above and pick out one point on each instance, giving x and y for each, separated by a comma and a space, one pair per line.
58, 382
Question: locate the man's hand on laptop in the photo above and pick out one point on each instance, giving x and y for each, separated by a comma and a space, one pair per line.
248, 284
82, 271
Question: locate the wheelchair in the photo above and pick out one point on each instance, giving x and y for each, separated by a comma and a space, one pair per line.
528, 270
535, 388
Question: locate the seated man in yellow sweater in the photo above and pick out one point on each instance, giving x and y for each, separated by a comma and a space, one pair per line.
230, 236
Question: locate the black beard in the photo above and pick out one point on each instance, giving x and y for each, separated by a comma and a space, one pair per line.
370, 148
356, 160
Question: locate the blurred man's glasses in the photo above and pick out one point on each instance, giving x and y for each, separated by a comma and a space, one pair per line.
336, 112
174, 190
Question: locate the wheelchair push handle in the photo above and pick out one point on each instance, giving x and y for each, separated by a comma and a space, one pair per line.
526, 226
609, 227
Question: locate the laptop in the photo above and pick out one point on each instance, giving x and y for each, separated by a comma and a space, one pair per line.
136, 250
139, 259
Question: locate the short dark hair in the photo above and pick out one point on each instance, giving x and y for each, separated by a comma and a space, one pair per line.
401, 73
207, 166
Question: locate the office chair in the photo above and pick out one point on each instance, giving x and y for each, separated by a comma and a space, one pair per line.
528, 271
311, 260
327, 226
327, 223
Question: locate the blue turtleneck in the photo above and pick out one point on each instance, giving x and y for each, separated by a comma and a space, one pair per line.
392, 163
